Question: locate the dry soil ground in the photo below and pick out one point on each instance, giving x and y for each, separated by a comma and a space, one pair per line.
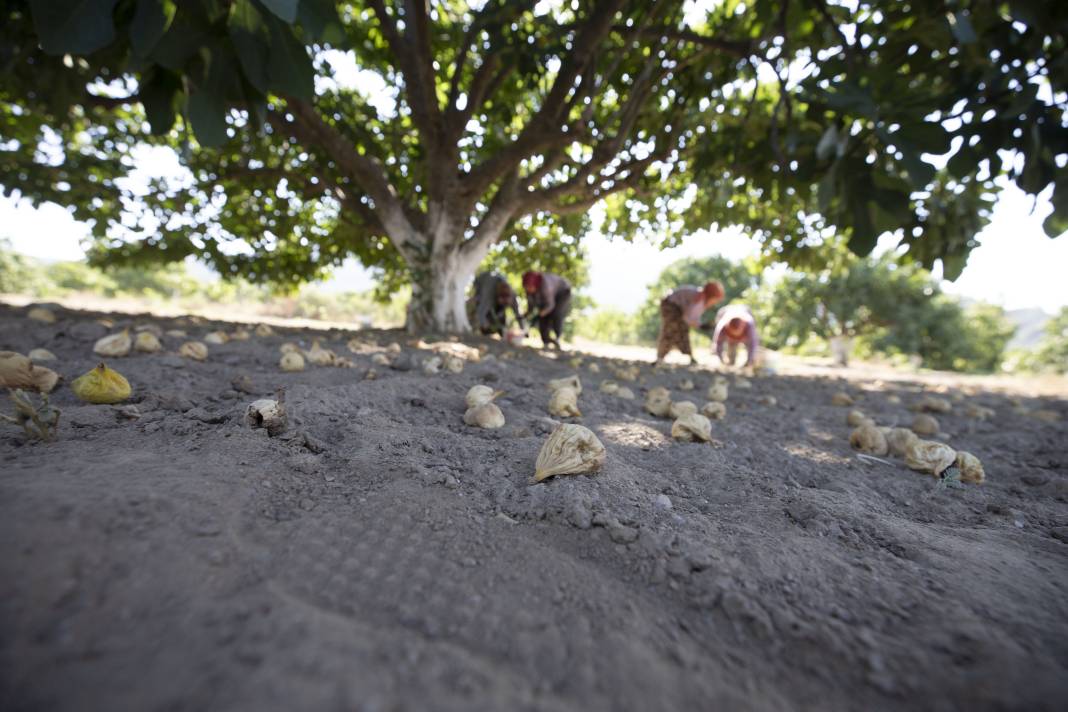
381, 555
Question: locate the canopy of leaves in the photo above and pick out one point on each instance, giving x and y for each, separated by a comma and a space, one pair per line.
1052, 351
796, 119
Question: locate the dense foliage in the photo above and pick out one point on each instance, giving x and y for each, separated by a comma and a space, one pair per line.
797, 119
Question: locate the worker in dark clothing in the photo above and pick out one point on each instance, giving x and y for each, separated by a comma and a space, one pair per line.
548, 304
492, 299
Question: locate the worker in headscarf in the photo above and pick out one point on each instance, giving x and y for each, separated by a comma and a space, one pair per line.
492, 299
735, 325
681, 311
548, 304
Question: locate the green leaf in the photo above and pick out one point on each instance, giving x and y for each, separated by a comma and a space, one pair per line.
963, 163
159, 93
73, 26
284, 9
962, 27
252, 40
953, 266
289, 66
1055, 225
207, 114
151, 20
920, 172
320, 20
826, 190
924, 136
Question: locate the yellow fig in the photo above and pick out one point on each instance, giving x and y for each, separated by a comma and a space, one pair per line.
101, 385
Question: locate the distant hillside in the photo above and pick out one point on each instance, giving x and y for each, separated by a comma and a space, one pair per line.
1029, 325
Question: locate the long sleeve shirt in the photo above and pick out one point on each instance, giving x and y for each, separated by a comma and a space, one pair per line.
553, 287
692, 302
749, 337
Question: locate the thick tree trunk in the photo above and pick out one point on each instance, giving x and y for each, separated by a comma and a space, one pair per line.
439, 293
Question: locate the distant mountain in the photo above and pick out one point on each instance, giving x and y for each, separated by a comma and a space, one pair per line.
1029, 326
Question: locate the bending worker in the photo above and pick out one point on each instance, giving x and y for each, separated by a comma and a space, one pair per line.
493, 297
548, 304
679, 312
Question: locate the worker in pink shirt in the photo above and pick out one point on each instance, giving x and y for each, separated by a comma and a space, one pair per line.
735, 325
681, 311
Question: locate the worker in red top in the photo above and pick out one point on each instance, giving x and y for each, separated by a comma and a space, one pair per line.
681, 311
548, 304
736, 325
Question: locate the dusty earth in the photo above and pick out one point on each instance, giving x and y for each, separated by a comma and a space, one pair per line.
381, 555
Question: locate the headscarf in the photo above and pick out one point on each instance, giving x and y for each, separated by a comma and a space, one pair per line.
531, 281
713, 292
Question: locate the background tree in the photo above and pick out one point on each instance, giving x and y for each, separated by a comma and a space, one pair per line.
1052, 351
889, 308
737, 279
794, 118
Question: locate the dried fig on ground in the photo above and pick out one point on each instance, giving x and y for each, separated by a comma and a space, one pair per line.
856, 418
930, 456
971, 468
658, 401
868, 438
571, 382
41, 314
194, 350
19, 372
686, 385
394, 347
609, 387
770, 401
432, 365
593, 368
240, 335
318, 356
41, 355
893, 399
841, 398
1045, 414
147, 342
480, 395
714, 410
486, 415
692, 427
717, 392
267, 413
742, 383
114, 344
624, 393
900, 440
925, 425
681, 408
176, 333
453, 364
978, 412
570, 450
216, 338
932, 404
101, 385
264, 330
563, 403
291, 361
380, 360
290, 348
